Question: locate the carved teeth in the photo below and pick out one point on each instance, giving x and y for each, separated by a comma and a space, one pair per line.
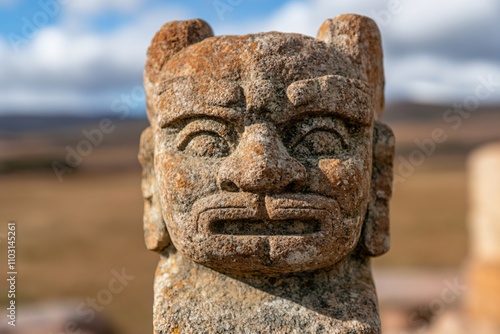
265, 227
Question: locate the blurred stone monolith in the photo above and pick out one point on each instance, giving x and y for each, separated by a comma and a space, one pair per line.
483, 299
267, 177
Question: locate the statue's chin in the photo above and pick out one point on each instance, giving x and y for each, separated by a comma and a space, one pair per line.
257, 267
267, 255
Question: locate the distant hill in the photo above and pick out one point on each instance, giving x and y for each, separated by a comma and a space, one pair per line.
413, 112
35, 142
36, 123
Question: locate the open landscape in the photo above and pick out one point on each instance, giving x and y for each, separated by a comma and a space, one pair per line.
73, 231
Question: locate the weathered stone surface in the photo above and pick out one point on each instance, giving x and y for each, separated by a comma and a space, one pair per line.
266, 178
191, 298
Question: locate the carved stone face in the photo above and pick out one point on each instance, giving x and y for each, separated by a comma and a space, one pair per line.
263, 152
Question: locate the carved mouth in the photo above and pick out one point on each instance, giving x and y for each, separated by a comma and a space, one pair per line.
265, 227
253, 215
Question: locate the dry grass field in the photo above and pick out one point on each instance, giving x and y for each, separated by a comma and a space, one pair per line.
72, 234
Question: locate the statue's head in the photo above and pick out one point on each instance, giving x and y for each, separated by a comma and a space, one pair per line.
265, 153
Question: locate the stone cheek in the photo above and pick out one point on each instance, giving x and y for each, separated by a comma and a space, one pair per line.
347, 180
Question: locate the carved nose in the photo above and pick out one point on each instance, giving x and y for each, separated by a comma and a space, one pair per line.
261, 164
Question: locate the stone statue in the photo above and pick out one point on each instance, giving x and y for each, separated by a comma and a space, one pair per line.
266, 178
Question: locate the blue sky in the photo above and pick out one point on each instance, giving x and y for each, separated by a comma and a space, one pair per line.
74, 56
107, 19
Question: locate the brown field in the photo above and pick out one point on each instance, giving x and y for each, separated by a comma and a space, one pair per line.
72, 234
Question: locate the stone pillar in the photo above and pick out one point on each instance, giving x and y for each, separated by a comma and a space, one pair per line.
267, 176
483, 301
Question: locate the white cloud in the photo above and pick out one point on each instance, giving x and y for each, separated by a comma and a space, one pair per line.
426, 78
71, 70
429, 19
18, 100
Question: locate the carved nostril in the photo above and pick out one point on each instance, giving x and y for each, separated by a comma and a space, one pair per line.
229, 186
293, 187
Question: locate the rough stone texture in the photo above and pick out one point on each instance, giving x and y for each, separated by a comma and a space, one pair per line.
483, 302
266, 178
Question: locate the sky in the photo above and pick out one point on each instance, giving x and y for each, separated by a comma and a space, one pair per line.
82, 56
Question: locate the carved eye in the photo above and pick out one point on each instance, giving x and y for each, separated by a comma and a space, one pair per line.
319, 143
205, 138
317, 137
207, 144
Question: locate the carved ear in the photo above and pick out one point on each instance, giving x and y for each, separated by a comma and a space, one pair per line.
375, 239
169, 40
359, 38
155, 231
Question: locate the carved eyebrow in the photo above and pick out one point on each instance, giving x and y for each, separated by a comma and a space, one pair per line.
226, 115
186, 97
333, 95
